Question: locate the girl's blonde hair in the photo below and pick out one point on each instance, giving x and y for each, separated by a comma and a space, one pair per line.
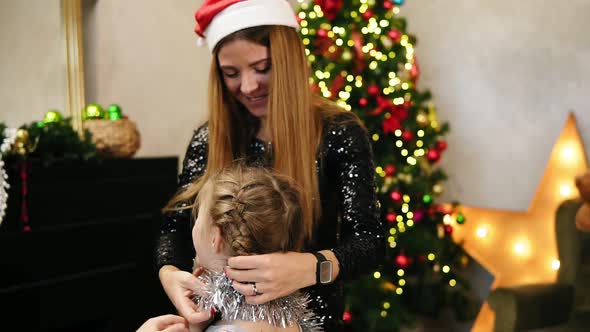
294, 119
256, 211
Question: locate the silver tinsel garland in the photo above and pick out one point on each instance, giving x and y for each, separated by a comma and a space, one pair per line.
7, 142
282, 312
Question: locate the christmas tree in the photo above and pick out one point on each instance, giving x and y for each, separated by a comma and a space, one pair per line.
363, 59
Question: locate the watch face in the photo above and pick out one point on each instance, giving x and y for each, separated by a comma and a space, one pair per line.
325, 272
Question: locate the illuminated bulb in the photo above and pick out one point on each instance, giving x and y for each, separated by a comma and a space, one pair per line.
386, 305
447, 220
399, 291
568, 153
520, 248
377, 275
565, 190
555, 264
446, 269
452, 282
401, 282
400, 273
482, 232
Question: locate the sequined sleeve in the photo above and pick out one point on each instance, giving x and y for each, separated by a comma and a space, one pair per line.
174, 242
362, 237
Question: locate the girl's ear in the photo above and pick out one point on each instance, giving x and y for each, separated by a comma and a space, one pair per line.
216, 240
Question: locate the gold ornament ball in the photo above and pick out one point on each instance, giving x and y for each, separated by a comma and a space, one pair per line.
422, 118
438, 189
22, 135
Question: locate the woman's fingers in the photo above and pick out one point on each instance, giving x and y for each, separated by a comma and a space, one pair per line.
260, 299
176, 328
165, 320
188, 309
247, 288
244, 276
248, 262
263, 292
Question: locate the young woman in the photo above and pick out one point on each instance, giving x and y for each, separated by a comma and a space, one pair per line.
261, 110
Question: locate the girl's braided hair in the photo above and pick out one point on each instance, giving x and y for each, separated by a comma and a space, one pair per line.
257, 212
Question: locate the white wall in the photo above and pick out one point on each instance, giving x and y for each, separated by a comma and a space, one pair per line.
143, 56
505, 74
32, 60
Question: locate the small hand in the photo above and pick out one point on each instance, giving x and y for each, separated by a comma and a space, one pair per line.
166, 323
179, 286
276, 275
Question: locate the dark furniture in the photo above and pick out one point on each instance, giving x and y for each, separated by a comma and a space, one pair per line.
558, 307
86, 264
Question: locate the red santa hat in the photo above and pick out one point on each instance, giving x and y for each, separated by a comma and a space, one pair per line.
217, 19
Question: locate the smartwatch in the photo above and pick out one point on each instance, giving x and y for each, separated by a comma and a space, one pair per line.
323, 272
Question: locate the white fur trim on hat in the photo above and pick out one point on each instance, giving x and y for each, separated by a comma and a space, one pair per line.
247, 14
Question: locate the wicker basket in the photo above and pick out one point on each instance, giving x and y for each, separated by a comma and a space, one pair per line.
114, 139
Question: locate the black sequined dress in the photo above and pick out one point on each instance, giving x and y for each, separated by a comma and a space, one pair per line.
350, 224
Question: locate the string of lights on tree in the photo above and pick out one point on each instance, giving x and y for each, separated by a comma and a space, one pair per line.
363, 59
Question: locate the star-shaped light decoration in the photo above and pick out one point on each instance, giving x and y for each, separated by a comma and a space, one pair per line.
518, 247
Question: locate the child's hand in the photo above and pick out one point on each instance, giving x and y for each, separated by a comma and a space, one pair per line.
165, 323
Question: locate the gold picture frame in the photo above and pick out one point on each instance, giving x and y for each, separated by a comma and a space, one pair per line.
74, 42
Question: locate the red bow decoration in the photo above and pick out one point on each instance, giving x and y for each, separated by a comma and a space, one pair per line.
397, 111
391, 125
336, 85
359, 56
330, 7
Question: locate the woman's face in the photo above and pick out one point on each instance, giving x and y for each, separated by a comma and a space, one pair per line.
246, 70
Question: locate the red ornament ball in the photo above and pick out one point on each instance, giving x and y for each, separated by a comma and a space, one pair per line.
373, 90
322, 33
368, 14
390, 217
444, 208
448, 229
396, 196
389, 170
363, 102
395, 35
433, 155
407, 135
347, 317
441, 145
402, 261
387, 5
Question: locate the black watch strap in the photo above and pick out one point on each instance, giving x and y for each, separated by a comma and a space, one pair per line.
321, 258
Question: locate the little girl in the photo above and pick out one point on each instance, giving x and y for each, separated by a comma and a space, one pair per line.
246, 211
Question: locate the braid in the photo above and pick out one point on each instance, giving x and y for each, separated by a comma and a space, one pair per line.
256, 211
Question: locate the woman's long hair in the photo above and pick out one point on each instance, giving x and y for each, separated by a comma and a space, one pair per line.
294, 119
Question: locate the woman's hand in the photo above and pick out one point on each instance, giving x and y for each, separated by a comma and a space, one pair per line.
179, 286
276, 275
166, 323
